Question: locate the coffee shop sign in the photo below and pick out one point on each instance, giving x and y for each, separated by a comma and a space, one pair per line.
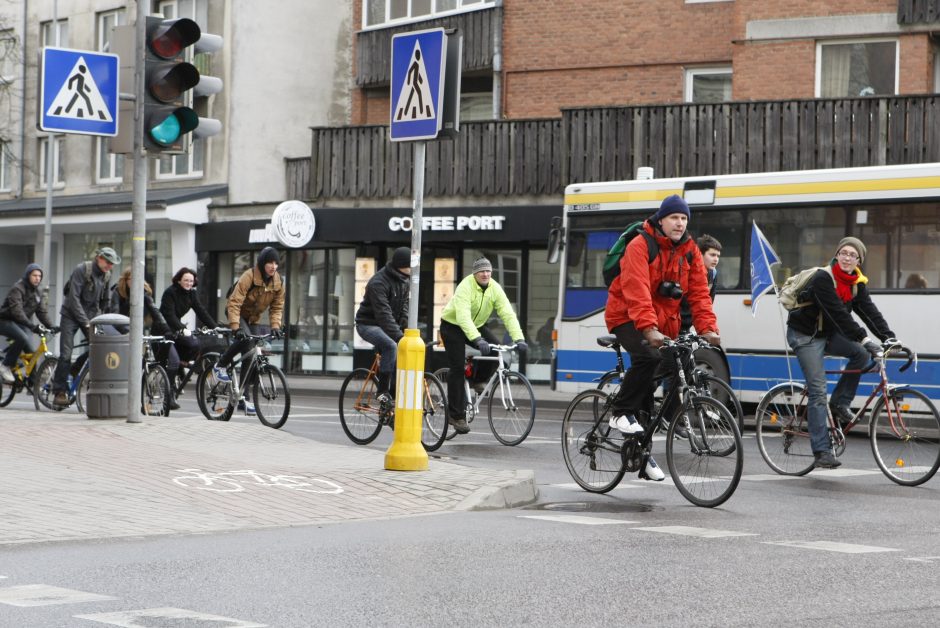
449, 223
292, 224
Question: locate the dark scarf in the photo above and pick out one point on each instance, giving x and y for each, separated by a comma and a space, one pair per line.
844, 282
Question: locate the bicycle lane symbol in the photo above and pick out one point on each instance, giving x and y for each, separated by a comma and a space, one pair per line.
237, 481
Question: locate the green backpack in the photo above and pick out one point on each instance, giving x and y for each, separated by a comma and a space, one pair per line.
612, 262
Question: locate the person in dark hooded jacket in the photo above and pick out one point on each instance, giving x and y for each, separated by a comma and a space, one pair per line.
16, 318
383, 314
258, 290
176, 302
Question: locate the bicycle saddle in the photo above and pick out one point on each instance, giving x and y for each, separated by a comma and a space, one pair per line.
608, 341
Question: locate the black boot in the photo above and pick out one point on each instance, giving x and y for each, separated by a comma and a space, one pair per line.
172, 403
825, 460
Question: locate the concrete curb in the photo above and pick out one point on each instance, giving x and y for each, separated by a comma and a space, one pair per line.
519, 491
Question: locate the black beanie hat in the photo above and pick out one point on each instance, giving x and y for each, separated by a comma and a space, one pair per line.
673, 204
401, 258
267, 254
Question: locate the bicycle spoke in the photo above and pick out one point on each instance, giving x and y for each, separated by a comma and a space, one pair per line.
782, 430
591, 448
905, 437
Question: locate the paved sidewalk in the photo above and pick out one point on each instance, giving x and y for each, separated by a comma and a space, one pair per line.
65, 477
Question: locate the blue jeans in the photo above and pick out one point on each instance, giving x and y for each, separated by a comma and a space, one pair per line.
386, 347
810, 352
21, 337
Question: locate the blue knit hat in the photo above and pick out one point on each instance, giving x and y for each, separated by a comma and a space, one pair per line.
673, 204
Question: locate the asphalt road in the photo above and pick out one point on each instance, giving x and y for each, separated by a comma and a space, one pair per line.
834, 548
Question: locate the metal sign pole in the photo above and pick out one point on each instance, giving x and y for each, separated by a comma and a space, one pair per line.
50, 179
416, 225
135, 353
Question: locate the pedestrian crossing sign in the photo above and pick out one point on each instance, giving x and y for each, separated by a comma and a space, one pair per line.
417, 84
78, 92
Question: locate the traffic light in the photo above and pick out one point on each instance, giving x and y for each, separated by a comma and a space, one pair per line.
168, 76
171, 84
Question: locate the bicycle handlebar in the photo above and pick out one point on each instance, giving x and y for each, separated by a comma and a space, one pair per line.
892, 346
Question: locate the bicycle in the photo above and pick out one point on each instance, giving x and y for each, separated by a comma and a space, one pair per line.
704, 452
699, 378
77, 383
192, 368
512, 415
154, 382
363, 415
904, 430
25, 367
218, 398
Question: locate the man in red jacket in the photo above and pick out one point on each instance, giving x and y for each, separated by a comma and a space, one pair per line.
643, 308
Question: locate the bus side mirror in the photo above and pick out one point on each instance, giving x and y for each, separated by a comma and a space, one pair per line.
555, 240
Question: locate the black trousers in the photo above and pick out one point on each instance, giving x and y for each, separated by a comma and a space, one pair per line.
636, 393
454, 342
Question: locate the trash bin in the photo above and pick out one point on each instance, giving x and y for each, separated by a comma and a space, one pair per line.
107, 364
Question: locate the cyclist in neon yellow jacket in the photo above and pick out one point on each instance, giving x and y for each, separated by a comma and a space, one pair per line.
463, 322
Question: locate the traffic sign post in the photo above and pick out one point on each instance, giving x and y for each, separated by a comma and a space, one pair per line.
419, 73
78, 92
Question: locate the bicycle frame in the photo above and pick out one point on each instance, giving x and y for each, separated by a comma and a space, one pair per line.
474, 398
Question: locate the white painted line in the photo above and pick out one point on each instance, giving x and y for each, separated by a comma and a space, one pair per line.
769, 477
924, 559
573, 486
833, 546
843, 473
46, 595
585, 521
129, 619
702, 533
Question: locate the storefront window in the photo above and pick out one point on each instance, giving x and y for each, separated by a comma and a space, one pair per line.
81, 246
322, 310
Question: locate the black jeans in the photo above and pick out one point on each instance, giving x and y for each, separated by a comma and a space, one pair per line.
454, 342
636, 392
67, 326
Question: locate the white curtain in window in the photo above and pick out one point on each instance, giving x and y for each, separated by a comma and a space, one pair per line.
834, 72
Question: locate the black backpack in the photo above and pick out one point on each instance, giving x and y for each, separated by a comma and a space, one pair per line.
88, 280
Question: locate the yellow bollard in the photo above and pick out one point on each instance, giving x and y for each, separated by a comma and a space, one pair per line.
407, 453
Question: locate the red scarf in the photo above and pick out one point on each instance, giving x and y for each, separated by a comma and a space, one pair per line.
844, 282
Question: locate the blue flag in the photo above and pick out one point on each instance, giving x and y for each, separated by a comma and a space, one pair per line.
763, 257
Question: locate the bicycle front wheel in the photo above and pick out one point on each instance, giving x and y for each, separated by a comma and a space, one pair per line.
214, 396
434, 421
511, 408
782, 430
706, 466
905, 436
591, 447
271, 395
359, 411
154, 391
42, 384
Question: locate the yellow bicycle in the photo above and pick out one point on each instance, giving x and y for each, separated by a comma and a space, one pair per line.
25, 370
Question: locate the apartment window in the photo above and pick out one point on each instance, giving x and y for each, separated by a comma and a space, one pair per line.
187, 166
377, 13
9, 57
857, 68
476, 106
4, 166
110, 167
708, 85
58, 144
48, 32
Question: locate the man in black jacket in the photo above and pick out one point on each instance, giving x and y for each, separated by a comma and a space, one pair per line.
86, 296
16, 318
826, 326
383, 314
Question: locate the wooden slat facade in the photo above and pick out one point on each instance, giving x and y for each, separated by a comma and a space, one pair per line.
373, 48
539, 157
918, 11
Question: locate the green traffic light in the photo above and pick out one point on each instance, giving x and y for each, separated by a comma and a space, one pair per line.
167, 131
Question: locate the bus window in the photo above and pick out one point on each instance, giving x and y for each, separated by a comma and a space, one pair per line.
903, 241
728, 227
801, 236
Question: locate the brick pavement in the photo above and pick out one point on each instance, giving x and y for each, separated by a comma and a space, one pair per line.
64, 477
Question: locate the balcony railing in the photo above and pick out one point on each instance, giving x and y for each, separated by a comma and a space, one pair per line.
918, 11
539, 157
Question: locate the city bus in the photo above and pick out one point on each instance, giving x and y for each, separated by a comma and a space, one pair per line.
894, 210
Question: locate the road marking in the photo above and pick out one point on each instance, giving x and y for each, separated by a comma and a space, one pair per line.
844, 473
833, 546
586, 521
769, 477
129, 619
924, 559
703, 533
45, 595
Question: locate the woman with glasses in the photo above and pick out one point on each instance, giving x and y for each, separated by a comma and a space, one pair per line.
825, 326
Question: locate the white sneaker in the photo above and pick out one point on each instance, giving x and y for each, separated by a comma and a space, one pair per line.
247, 407
6, 374
653, 472
626, 423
